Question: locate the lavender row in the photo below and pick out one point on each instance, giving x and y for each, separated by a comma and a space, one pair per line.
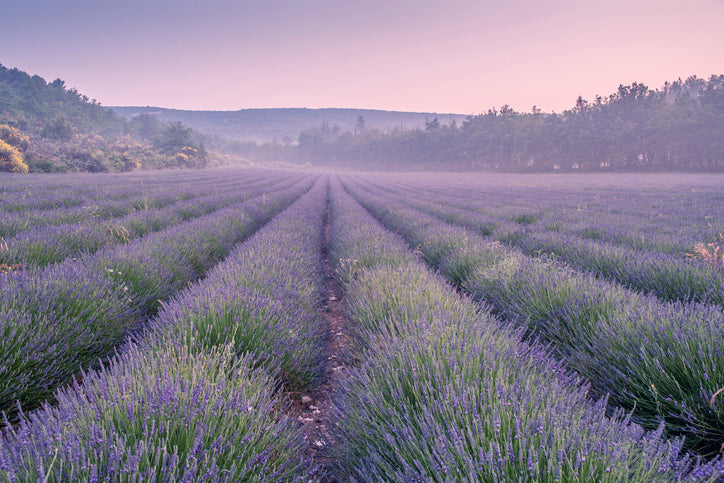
100, 202
51, 244
161, 415
265, 297
65, 316
91, 211
194, 397
36, 191
662, 218
663, 362
446, 392
671, 278
47, 193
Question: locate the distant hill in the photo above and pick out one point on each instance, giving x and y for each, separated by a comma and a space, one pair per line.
284, 124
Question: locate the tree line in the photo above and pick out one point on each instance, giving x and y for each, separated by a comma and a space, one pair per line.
679, 126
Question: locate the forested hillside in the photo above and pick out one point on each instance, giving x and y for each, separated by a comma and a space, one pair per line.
52, 128
30, 104
679, 126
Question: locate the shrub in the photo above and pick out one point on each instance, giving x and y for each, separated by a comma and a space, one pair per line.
11, 160
14, 137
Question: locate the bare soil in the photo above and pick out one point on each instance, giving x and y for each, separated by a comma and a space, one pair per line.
313, 409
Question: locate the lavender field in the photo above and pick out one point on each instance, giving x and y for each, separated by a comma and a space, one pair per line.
271, 325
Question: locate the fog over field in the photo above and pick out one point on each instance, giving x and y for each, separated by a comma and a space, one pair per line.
584, 181
328, 242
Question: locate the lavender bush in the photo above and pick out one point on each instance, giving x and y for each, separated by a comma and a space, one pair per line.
264, 298
158, 415
112, 291
661, 361
194, 396
49, 244
445, 392
671, 277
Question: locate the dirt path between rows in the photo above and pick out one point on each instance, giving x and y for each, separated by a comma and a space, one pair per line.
313, 409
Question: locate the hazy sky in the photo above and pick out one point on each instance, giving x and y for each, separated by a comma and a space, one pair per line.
461, 56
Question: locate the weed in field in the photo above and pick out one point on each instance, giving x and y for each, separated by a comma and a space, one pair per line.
119, 233
712, 253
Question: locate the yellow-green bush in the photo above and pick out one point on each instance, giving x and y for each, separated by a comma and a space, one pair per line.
14, 137
11, 159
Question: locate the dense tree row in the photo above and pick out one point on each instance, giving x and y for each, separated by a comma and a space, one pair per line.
677, 127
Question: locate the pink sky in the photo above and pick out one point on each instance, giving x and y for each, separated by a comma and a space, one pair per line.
426, 55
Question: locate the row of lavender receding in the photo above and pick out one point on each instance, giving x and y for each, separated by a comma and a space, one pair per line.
668, 276
51, 244
662, 218
46, 192
104, 201
65, 316
663, 362
196, 396
446, 392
